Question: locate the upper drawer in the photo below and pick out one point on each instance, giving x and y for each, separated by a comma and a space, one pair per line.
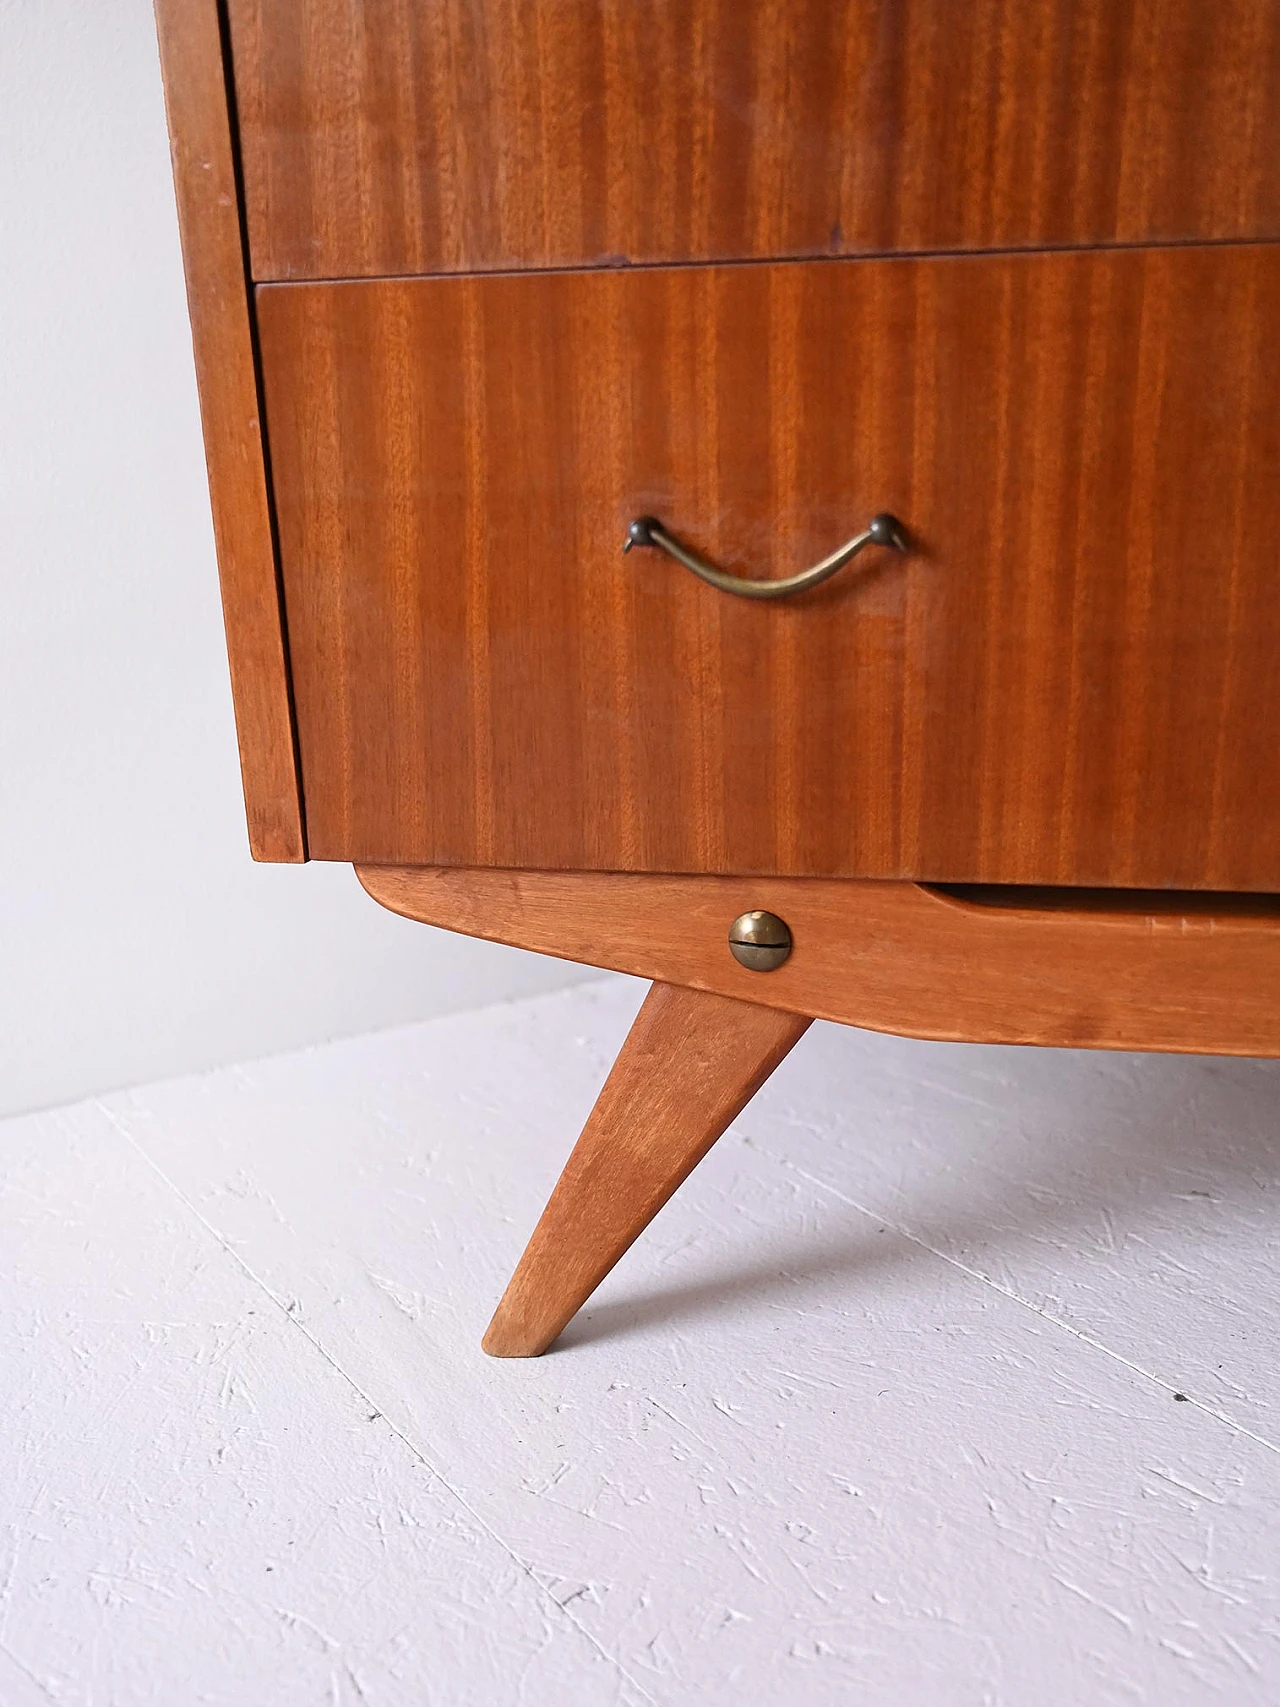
1071, 678
458, 135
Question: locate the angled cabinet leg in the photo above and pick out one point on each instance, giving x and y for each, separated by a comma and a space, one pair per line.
691, 1062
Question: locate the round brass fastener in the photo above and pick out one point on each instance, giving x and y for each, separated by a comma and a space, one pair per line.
759, 941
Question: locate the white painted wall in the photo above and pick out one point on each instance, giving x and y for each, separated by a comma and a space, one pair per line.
136, 937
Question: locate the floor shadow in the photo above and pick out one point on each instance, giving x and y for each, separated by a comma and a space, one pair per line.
783, 1273
1133, 1134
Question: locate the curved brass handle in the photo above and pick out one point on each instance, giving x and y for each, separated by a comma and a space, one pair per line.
880, 530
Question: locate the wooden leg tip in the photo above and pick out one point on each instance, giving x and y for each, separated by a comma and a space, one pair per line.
506, 1338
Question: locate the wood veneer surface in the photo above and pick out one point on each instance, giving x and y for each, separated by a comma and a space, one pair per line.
218, 298
435, 135
1071, 679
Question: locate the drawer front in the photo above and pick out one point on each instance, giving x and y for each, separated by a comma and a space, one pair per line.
1071, 678
453, 135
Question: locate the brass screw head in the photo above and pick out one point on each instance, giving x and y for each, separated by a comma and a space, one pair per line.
759, 941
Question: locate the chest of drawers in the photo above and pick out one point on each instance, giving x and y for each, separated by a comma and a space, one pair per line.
483, 294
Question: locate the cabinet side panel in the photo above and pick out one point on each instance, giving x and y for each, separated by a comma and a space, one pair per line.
222, 336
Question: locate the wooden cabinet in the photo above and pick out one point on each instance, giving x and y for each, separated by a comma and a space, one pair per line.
477, 288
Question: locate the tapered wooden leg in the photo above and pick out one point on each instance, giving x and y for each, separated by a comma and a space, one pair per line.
691, 1062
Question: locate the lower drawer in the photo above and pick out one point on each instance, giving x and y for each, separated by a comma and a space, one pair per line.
1071, 677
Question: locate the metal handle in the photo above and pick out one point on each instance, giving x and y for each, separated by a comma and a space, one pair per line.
880, 530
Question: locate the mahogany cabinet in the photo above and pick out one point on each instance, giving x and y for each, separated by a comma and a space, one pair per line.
779, 496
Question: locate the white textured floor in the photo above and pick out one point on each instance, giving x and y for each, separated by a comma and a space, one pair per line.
951, 1377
